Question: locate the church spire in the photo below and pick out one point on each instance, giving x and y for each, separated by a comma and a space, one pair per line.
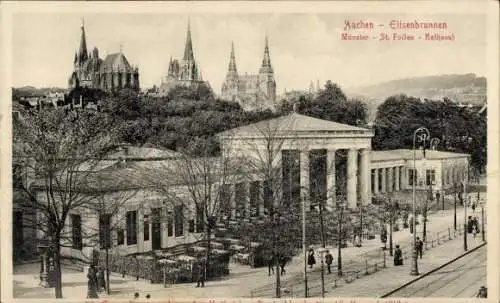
82, 52
266, 67
232, 61
188, 50
266, 62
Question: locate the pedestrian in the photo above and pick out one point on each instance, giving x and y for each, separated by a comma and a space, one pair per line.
398, 256
311, 260
411, 225
383, 239
482, 293
420, 247
357, 241
282, 265
201, 273
270, 264
469, 225
92, 283
474, 207
328, 261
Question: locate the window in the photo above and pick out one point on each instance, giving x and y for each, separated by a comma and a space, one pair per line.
411, 175
430, 177
191, 226
76, 222
146, 227
131, 227
170, 224
17, 175
179, 221
120, 235
104, 231
18, 228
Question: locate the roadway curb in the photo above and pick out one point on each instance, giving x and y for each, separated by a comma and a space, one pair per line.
433, 270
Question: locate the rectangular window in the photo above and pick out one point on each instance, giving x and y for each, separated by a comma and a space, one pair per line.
18, 228
170, 224
191, 226
411, 174
120, 237
104, 231
146, 227
131, 227
179, 221
17, 175
430, 177
199, 220
76, 222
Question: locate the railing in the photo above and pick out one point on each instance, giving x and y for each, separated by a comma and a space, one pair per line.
371, 263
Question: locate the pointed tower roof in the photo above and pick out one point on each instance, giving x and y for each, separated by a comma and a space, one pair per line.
266, 61
188, 49
82, 51
232, 60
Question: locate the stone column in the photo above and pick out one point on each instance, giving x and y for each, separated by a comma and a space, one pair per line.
397, 178
384, 180
330, 178
376, 174
390, 179
365, 177
352, 176
304, 176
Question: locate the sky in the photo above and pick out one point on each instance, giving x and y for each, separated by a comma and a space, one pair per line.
303, 47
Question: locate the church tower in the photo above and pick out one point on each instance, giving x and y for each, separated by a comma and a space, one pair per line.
189, 69
266, 74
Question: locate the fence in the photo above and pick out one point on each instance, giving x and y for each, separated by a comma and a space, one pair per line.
371, 263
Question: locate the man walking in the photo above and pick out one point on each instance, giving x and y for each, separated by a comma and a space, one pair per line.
420, 247
329, 261
201, 273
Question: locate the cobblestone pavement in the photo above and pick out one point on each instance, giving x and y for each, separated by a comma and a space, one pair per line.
240, 283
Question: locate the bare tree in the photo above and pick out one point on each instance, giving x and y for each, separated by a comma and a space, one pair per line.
59, 148
196, 187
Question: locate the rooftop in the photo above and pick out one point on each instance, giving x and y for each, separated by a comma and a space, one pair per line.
407, 154
294, 123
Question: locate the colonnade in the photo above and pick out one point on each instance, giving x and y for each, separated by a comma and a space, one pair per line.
389, 179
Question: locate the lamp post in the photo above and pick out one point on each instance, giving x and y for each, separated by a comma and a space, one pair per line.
339, 240
482, 223
465, 218
423, 135
304, 248
455, 189
322, 251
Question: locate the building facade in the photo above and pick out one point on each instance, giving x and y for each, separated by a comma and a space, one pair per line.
183, 73
111, 74
149, 219
252, 91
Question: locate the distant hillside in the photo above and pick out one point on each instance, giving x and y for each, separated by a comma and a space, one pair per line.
467, 88
33, 91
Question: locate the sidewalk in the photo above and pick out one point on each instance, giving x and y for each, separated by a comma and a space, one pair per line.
241, 281
392, 277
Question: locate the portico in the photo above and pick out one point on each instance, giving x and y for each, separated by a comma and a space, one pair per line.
308, 152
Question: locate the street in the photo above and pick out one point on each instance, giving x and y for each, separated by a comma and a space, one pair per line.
461, 278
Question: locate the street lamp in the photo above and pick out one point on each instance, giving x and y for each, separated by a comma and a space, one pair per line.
322, 251
423, 135
304, 248
465, 216
482, 223
339, 240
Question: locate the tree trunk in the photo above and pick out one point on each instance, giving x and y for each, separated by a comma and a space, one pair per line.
108, 291
207, 255
57, 267
278, 281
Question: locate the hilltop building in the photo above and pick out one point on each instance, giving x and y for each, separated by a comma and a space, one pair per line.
111, 74
185, 72
256, 91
